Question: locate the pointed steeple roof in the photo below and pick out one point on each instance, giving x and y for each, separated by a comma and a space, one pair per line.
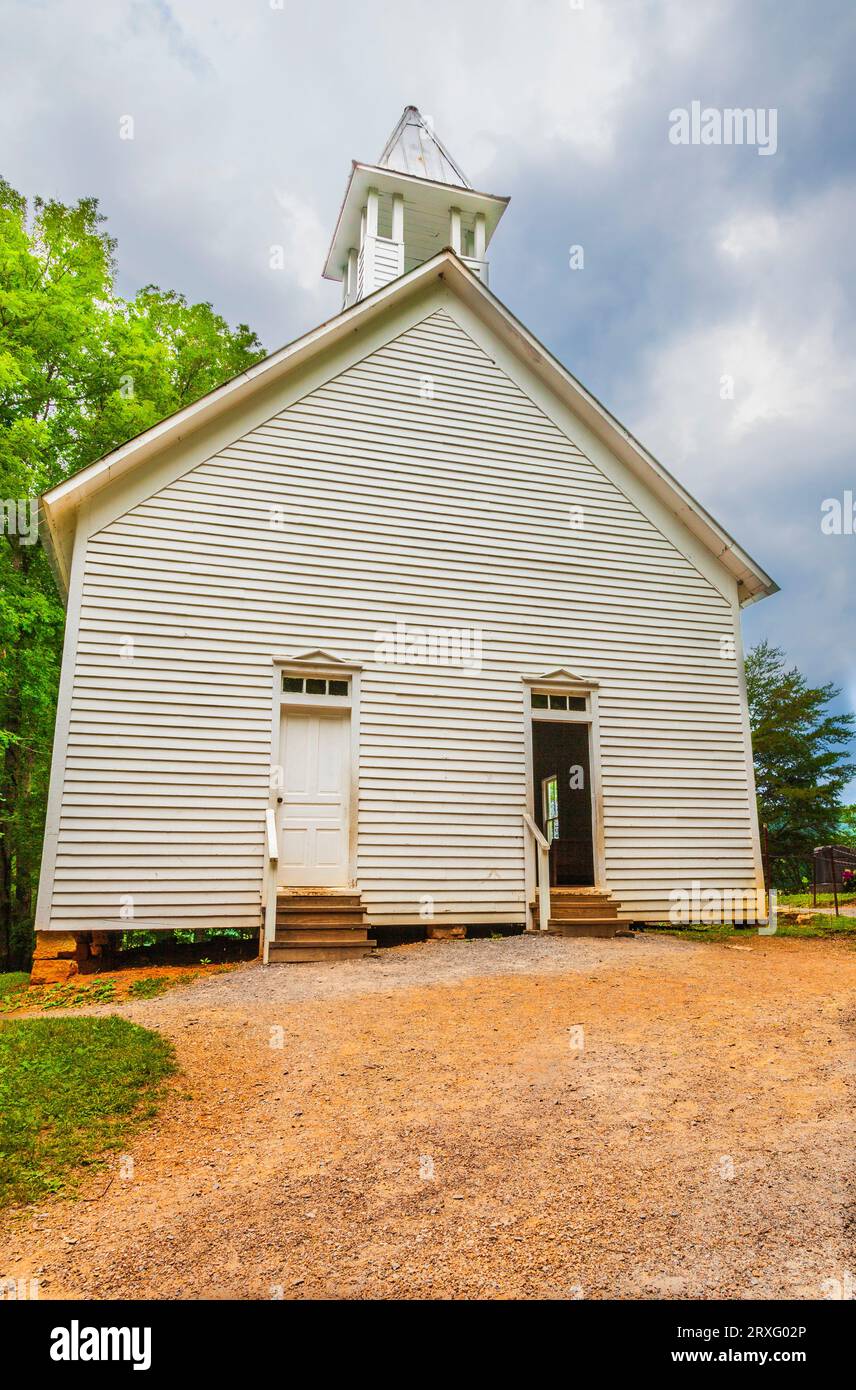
414, 147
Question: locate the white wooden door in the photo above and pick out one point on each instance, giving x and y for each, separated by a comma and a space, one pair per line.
314, 813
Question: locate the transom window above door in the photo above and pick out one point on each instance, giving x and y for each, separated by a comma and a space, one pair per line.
542, 700
316, 685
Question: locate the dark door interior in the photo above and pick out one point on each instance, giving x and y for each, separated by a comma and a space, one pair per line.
563, 799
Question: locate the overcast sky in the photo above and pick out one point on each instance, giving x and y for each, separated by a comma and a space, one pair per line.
701, 262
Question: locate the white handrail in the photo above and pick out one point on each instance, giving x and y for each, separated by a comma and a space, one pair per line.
272, 857
543, 856
539, 837
272, 846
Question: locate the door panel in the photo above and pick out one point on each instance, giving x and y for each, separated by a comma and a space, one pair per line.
314, 814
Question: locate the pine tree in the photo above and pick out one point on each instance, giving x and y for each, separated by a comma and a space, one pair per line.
801, 762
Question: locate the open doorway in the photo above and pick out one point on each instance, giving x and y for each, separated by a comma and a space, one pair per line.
563, 802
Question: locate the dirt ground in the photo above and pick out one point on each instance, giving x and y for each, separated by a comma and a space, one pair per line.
426, 1124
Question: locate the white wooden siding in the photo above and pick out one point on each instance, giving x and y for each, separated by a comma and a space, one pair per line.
451, 511
388, 261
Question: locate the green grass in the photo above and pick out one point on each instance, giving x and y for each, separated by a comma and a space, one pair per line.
818, 927
77, 993
71, 1090
845, 899
717, 932
72, 995
151, 986
11, 983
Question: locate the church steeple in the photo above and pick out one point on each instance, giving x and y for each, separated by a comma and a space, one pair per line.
401, 211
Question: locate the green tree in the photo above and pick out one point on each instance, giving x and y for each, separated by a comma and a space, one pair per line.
81, 371
801, 761
845, 833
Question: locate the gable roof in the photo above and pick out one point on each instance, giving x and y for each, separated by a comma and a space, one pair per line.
317, 660
560, 676
414, 147
60, 504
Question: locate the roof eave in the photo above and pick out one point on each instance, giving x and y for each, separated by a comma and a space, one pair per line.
53, 549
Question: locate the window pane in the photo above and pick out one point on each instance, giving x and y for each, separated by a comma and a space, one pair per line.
337, 687
538, 701
551, 808
293, 684
316, 687
558, 702
577, 702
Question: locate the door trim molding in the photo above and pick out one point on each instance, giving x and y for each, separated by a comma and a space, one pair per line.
317, 662
564, 682
322, 664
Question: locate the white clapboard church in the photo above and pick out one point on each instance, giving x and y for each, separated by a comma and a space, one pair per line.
398, 629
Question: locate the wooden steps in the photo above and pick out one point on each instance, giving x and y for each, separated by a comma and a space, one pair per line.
583, 912
560, 926
318, 924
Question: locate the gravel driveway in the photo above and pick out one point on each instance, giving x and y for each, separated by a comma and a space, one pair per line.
527, 1117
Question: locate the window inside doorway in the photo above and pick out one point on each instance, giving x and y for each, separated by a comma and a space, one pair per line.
551, 808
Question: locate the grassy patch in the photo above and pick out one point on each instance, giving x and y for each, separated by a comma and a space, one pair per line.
12, 982
118, 987
818, 927
71, 995
823, 899
153, 985
71, 1090
716, 932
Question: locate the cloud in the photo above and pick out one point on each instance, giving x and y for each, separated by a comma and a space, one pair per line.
715, 387
750, 234
305, 241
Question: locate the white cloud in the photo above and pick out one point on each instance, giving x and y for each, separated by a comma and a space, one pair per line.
750, 235
304, 242
692, 414
785, 341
